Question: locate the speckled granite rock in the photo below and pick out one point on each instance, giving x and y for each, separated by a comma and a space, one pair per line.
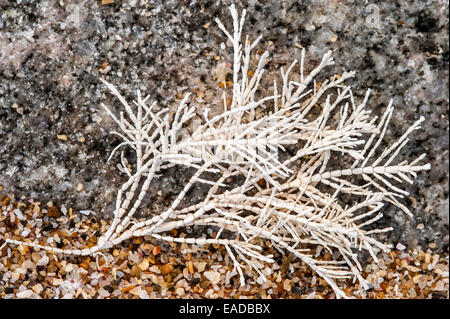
51, 53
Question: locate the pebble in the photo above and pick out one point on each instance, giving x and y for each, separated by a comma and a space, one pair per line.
144, 265
21, 271
25, 232
180, 292
166, 269
136, 291
155, 269
35, 256
400, 247
146, 248
413, 268
27, 264
260, 280
69, 267
53, 212
440, 286
134, 258
144, 294
411, 293
156, 250
62, 137
200, 266
103, 292
19, 214
191, 267
38, 288
57, 281
416, 278
15, 276
128, 288
135, 271
43, 261
164, 259
287, 285
25, 294
212, 276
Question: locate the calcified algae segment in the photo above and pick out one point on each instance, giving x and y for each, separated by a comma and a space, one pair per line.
296, 203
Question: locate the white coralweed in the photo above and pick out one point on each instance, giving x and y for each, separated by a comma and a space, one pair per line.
280, 201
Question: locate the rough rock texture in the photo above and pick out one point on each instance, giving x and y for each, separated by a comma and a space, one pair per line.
54, 136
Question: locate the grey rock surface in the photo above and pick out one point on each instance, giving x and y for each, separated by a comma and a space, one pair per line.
51, 53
